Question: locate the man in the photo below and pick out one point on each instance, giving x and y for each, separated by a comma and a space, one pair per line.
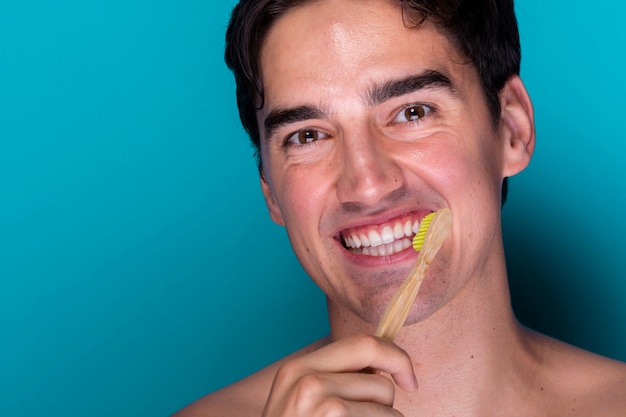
368, 115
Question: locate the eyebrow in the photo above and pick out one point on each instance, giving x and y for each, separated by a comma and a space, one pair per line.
279, 117
379, 93
376, 94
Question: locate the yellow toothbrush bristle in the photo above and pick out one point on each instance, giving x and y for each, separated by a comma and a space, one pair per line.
418, 239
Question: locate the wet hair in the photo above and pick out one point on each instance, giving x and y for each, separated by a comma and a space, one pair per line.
484, 32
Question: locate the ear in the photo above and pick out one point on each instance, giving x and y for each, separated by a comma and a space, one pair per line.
517, 126
270, 201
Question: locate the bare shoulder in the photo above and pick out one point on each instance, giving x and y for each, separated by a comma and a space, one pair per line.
583, 382
603, 380
245, 398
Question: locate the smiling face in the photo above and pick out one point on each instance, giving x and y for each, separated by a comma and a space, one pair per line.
368, 126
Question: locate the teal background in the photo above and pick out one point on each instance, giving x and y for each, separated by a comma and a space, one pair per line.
138, 267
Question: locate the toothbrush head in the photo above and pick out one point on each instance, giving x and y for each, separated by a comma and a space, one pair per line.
418, 239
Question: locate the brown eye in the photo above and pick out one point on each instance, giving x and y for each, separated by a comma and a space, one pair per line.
415, 112
412, 113
307, 136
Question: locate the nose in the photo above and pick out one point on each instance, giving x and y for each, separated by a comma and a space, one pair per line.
370, 172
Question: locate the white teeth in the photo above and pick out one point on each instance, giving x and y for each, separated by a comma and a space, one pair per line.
408, 228
387, 235
385, 249
398, 231
374, 238
391, 239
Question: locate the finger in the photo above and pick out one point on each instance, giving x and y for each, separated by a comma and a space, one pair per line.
340, 407
336, 394
348, 386
357, 352
304, 391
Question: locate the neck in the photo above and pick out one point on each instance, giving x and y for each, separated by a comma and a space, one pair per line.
459, 349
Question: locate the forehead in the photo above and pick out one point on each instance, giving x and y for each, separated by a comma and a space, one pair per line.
327, 44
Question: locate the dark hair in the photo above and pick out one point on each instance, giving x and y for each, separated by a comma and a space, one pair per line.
484, 32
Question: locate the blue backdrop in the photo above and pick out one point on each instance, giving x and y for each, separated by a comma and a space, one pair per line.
138, 267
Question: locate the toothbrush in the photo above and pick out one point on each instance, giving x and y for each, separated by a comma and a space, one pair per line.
433, 230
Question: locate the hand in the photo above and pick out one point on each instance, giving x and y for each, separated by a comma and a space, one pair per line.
328, 381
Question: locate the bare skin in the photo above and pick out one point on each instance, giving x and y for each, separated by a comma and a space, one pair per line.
564, 381
360, 161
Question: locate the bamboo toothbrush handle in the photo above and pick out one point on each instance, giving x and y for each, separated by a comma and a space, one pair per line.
398, 308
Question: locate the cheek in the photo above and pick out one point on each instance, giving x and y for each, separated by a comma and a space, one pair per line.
302, 199
466, 176
475, 163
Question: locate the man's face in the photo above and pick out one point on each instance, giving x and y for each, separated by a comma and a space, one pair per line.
368, 126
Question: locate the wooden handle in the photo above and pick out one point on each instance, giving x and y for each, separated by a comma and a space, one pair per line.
398, 308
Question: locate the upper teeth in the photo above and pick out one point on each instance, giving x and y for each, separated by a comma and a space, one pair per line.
381, 236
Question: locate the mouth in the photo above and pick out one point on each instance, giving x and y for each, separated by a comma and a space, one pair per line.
383, 239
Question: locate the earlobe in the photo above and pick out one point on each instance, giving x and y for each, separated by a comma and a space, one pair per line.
517, 126
270, 201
